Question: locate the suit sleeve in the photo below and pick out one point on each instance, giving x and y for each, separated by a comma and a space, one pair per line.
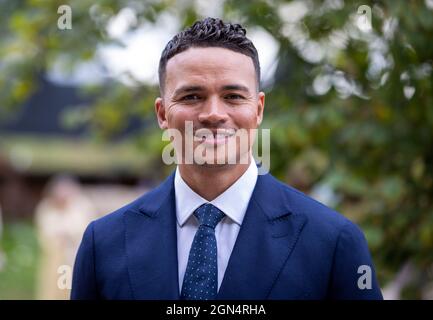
353, 276
84, 282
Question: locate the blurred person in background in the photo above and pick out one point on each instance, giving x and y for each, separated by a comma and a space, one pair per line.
61, 218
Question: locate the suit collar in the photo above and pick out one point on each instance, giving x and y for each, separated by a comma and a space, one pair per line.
151, 202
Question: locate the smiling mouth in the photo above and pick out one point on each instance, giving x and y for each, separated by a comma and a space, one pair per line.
213, 138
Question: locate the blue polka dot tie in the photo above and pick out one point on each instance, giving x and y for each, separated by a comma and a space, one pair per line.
201, 276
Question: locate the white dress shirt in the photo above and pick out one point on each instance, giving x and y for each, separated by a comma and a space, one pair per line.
233, 202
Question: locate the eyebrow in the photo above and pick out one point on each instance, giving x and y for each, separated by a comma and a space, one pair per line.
189, 88
186, 89
235, 87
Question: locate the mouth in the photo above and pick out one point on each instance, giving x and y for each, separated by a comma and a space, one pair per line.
211, 137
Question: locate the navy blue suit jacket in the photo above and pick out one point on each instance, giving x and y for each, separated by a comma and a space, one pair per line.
289, 247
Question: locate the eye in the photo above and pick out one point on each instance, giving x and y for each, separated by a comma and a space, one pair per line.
234, 96
190, 97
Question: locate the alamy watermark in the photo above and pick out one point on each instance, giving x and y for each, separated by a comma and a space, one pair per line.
64, 280
364, 281
364, 18
64, 22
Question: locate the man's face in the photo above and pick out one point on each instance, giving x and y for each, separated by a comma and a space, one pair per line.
215, 89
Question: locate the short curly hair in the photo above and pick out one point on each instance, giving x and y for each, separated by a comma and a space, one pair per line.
209, 32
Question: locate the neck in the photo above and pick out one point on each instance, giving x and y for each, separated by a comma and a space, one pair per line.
210, 181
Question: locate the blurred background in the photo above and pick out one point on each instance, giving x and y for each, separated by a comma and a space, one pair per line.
349, 104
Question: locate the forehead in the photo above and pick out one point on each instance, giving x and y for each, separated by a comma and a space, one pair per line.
211, 65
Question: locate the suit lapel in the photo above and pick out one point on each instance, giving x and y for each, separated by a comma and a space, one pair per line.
267, 236
151, 245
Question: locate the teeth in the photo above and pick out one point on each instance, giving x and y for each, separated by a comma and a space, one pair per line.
219, 135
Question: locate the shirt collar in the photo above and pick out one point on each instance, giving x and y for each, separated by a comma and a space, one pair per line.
233, 202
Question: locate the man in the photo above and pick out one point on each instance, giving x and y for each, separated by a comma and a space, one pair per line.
216, 229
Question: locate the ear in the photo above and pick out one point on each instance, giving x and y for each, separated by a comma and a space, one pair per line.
160, 113
260, 107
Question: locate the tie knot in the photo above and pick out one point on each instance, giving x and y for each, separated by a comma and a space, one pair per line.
209, 215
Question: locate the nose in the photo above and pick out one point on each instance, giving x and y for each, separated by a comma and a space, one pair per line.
213, 112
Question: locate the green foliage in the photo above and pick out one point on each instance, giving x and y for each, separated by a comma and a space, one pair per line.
18, 276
